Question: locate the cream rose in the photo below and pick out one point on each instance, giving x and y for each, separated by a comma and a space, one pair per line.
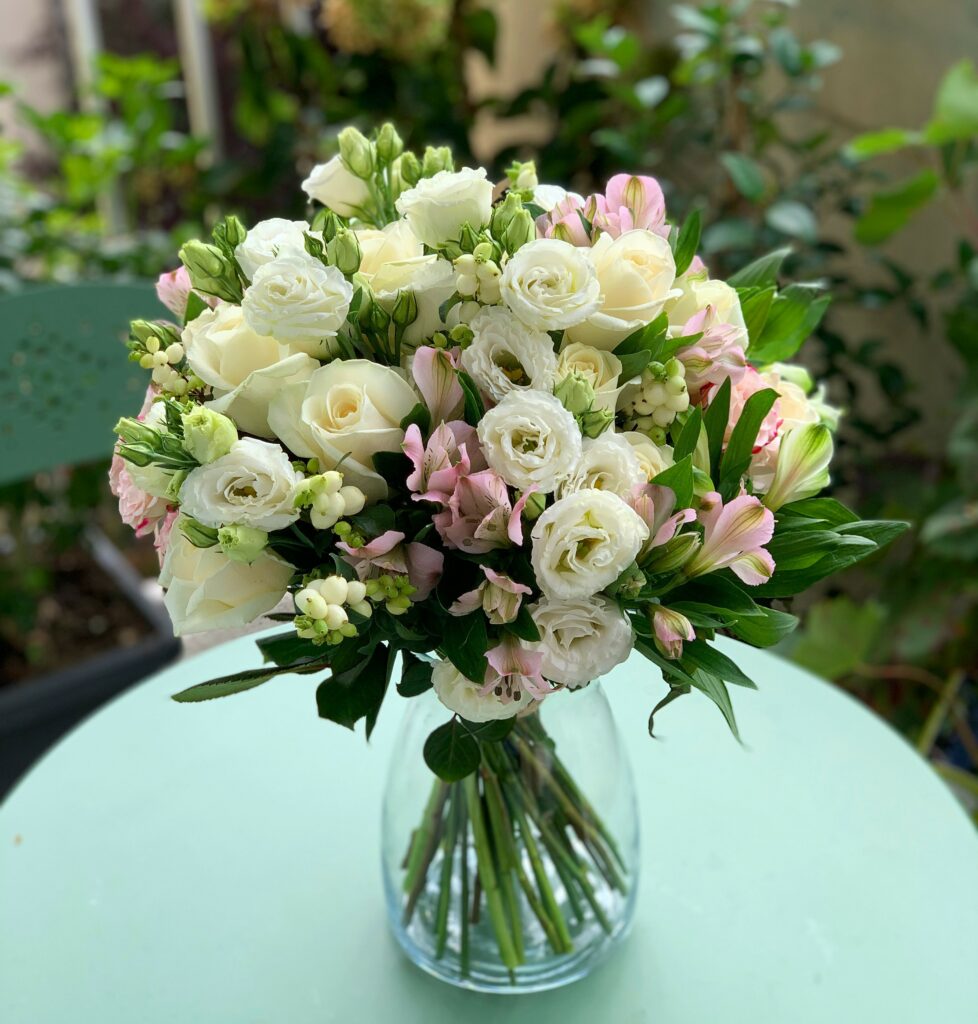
550, 284
636, 272
698, 292
244, 369
333, 185
584, 542
252, 485
653, 458
506, 356
464, 697
437, 207
299, 301
530, 440
268, 239
607, 463
207, 590
580, 639
349, 409
599, 368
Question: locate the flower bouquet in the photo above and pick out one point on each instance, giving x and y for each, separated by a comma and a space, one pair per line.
490, 440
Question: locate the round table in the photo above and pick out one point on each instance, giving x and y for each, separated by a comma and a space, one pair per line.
219, 864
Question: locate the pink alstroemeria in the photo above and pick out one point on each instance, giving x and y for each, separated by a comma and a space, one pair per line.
161, 533
671, 630
749, 384
435, 371
734, 536
389, 554
655, 505
173, 289
439, 464
480, 516
513, 669
564, 222
498, 596
630, 201
719, 353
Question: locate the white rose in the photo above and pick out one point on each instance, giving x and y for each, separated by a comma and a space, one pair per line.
653, 458
583, 543
636, 272
463, 696
530, 440
437, 207
599, 368
581, 639
698, 292
550, 284
207, 590
246, 370
338, 188
548, 196
152, 478
349, 409
298, 300
267, 239
506, 356
607, 463
252, 485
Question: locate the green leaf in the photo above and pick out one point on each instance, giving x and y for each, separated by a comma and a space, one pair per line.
480, 31
736, 459
700, 655
465, 643
755, 304
523, 626
793, 219
715, 594
238, 682
489, 732
715, 420
415, 675
473, 407
764, 630
794, 315
688, 241
675, 692
829, 509
838, 635
195, 306
890, 210
878, 143
679, 479
419, 415
689, 437
451, 751
762, 272
357, 692
717, 692
287, 648
745, 173
634, 363
956, 106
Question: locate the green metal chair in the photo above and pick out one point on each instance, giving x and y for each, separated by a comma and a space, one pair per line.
64, 375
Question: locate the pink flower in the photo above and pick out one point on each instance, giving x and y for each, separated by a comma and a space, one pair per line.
629, 202
564, 222
514, 670
161, 533
733, 538
655, 504
435, 372
671, 629
439, 464
173, 290
720, 352
498, 596
137, 509
389, 554
480, 516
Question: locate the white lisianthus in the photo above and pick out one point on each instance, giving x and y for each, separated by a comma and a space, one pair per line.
698, 292
584, 542
268, 239
253, 485
465, 698
207, 590
504, 355
580, 639
298, 300
550, 284
607, 463
548, 196
245, 369
348, 410
333, 185
530, 440
599, 368
636, 272
437, 207
653, 458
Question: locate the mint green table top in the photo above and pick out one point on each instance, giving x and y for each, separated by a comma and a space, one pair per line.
219, 864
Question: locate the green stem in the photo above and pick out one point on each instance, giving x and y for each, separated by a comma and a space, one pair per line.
447, 864
543, 884
463, 950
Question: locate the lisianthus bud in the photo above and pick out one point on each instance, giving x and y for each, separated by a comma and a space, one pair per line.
504, 214
575, 393
405, 310
344, 253
436, 158
207, 435
199, 535
405, 173
373, 315
325, 223
595, 422
242, 543
534, 506
356, 152
520, 231
523, 175
153, 334
229, 233
131, 431
468, 239
210, 271
389, 144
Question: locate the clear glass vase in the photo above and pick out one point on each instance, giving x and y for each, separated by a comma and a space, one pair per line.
522, 876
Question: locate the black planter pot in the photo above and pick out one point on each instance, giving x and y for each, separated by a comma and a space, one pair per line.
35, 714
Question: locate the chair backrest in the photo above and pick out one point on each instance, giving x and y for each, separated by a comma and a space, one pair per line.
64, 374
